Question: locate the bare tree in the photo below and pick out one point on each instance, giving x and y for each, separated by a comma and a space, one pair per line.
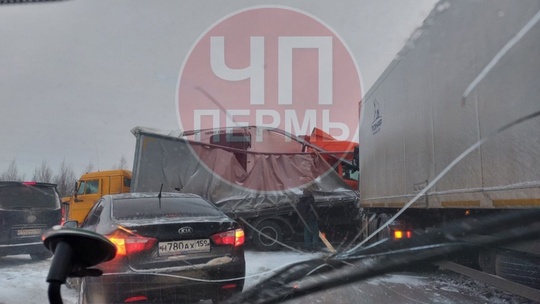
65, 179
43, 173
89, 168
122, 164
12, 173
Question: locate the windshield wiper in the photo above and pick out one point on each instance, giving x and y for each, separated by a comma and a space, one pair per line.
351, 266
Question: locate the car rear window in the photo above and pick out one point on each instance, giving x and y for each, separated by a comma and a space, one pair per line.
21, 196
154, 208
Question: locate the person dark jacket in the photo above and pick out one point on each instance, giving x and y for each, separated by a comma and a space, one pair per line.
306, 207
306, 210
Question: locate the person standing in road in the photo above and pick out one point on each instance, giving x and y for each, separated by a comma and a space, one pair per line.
307, 211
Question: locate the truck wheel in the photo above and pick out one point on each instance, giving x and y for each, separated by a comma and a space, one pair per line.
372, 226
267, 236
519, 268
385, 233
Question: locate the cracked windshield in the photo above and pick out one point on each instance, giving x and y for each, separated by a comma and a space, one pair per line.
265, 151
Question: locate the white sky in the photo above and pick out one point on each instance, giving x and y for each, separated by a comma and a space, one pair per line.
77, 75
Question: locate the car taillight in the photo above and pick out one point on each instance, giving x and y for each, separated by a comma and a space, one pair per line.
63, 217
128, 243
64, 214
229, 286
29, 183
136, 299
231, 237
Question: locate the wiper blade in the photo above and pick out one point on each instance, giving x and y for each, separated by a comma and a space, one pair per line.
301, 278
453, 232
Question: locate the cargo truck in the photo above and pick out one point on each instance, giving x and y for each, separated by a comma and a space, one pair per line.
254, 174
473, 67
90, 187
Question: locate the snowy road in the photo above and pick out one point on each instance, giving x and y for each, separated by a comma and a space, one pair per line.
23, 281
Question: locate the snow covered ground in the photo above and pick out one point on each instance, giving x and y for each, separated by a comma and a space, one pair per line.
24, 281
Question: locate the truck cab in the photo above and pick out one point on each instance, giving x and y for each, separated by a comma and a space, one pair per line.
342, 155
90, 187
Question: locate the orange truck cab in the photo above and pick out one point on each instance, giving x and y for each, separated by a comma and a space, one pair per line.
90, 187
340, 154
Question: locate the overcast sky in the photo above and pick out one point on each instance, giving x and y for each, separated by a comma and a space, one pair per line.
77, 75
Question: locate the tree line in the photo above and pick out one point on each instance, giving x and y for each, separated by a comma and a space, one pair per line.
64, 178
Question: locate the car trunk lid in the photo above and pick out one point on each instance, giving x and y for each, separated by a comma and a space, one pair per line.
181, 243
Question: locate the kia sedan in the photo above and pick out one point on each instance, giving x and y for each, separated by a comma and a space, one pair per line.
171, 248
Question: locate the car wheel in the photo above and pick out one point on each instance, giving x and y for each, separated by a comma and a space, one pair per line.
73, 283
225, 296
40, 256
88, 294
83, 293
217, 300
268, 235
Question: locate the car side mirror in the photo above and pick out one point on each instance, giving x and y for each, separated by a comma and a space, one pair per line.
77, 185
74, 251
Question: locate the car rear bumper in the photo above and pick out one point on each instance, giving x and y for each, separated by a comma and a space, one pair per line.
24, 248
166, 286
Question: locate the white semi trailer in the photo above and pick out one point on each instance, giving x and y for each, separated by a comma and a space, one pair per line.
472, 68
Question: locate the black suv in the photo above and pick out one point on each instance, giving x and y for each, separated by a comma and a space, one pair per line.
27, 209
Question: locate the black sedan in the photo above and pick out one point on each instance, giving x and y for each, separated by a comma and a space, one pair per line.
171, 247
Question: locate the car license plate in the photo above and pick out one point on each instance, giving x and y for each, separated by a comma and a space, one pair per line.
183, 247
28, 232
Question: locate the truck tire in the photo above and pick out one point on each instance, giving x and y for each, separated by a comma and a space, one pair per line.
385, 233
519, 268
268, 235
372, 226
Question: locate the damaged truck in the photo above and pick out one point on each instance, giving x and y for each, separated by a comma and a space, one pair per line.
255, 175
